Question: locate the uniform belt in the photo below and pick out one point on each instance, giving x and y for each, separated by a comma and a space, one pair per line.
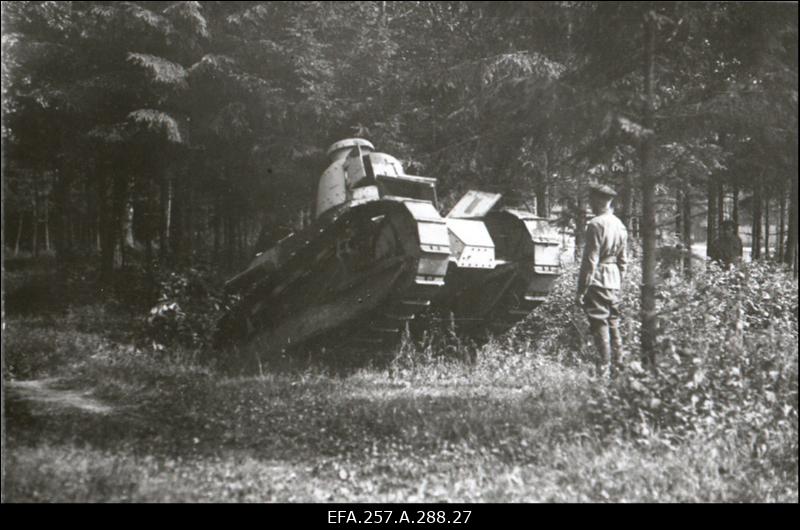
609, 261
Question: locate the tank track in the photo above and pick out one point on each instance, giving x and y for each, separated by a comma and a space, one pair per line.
490, 302
513, 307
366, 308
388, 325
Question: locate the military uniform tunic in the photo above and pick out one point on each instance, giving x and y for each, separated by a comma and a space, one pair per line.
604, 256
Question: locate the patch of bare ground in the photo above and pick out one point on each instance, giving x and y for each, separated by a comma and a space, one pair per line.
44, 392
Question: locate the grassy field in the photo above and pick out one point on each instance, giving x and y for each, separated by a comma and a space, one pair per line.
90, 417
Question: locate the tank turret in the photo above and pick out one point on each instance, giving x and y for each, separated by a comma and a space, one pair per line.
357, 173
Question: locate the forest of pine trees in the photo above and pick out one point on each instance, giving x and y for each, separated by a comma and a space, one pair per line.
171, 133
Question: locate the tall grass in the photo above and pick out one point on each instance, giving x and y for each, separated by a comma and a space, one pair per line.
519, 418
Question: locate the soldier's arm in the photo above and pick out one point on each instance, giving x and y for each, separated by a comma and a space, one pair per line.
591, 256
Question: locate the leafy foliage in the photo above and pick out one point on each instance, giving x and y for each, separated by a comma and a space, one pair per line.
727, 358
728, 363
520, 421
188, 309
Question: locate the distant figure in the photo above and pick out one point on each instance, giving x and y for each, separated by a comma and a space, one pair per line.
600, 277
727, 248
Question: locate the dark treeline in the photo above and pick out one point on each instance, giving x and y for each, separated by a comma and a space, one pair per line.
172, 132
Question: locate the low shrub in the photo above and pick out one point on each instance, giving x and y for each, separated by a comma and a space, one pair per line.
189, 306
727, 359
727, 362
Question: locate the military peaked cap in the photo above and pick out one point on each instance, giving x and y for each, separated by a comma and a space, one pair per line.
601, 189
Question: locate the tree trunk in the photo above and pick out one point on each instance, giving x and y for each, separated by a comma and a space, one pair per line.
143, 219
627, 200
648, 222
541, 199
107, 232
19, 233
176, 222
61, 215
35, 235
127, 222
229, 242
112, 214
755, 251
120, 213
217, 221
580, 216
766, 228
542, 203
123, 212
47, 225
711, 220
239, 239
791, 250
164, 210
71, 233
190, 222
720, 202
170, 201
35, 242
580, 227
781, 224
92, 215
735, 212
687, 229
98, 239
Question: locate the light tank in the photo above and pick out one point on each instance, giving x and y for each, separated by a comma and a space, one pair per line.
379, 254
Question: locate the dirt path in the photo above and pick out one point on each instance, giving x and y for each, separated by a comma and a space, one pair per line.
42, 391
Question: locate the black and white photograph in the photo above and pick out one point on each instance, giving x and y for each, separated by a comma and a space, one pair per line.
402, 261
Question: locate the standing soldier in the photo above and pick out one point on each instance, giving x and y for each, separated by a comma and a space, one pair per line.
600, 277
727, 248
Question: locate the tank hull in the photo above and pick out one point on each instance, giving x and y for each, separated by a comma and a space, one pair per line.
376, 263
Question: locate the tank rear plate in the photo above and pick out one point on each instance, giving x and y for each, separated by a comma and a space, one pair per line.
470, 243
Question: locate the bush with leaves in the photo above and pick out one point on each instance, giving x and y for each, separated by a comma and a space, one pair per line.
727, 364
187, 311
559, 327
727, 358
